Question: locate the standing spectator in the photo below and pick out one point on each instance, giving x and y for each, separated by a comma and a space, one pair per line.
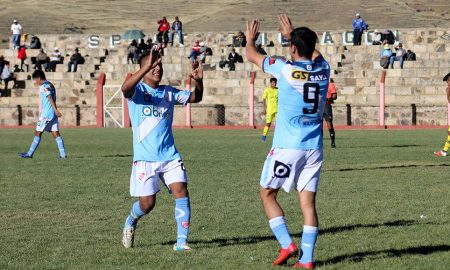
385, 55
149, 43
270, 106
132, 52
142, 47
328, 111
41, 59
234, 58
35, 43
16, 31
22, 56
399, 56
75, 60
55, 58
177, 27
444, 151
7, 76
359, 25
163, 31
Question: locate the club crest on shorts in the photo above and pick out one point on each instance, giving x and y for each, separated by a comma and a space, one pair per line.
281, 170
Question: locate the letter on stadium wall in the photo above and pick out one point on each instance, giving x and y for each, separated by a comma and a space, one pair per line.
93, 41
114, 40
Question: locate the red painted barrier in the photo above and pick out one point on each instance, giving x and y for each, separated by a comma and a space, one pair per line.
126, 115
99, 93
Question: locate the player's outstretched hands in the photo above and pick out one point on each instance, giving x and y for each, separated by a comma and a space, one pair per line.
285, 26
252, 30
154, 59
197, 71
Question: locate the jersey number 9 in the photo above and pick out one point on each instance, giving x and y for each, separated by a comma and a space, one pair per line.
310, 89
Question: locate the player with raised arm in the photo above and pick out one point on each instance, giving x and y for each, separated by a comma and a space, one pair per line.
155, 156
444, 151
296, 154
48, 118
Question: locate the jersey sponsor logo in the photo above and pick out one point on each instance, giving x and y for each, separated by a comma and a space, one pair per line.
300, 75
319, 77
154, 111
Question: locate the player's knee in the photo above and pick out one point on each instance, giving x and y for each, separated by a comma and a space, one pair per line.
147, 204
267, 194
179, 190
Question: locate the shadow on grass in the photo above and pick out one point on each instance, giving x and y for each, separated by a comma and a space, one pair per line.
219, 242
405, 145
387, 253
388, 167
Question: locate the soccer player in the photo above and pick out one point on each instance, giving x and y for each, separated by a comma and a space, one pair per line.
48, 119
328, 111
443, 152
296, 154
151, 108
270, 103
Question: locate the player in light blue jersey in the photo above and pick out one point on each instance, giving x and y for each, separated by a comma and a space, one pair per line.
48, 119
296, 154
151, 108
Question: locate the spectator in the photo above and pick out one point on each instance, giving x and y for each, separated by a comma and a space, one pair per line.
55, 58
376, 37
389, 36
234, 58
260, 49
239, 40
142, 47
399, 55
35, 43
2, 63
16, 31
410, 56
149, 43
75, 60
22, 56
177, 27
385, 55
195, 51
7, 76
132, 52
41, 59
163, 31
359, 26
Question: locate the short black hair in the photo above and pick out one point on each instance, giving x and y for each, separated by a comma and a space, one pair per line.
146, 53
273, 79
304, 39
38, 74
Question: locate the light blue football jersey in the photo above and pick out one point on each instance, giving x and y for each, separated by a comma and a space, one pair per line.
302, 90
151, 115
45, 107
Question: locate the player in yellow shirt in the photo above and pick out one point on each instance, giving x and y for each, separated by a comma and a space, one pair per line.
444, 152
270, 102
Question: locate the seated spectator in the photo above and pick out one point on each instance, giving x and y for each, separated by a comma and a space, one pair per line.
22, 56
2, 63
260, 49
75, 60
7, 76
399, 55
234, 58
385, 55
142, 47
132, 52
163, 31
239, 40
55, 58
376, 37
41, 59
177, 28
195, 51
410, 56
389, 36
35, 43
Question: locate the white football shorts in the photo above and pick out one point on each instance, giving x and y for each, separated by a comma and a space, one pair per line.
285, 167
145, 176
45, 124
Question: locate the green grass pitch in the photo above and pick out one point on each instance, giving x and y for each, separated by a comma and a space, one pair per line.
383, 203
